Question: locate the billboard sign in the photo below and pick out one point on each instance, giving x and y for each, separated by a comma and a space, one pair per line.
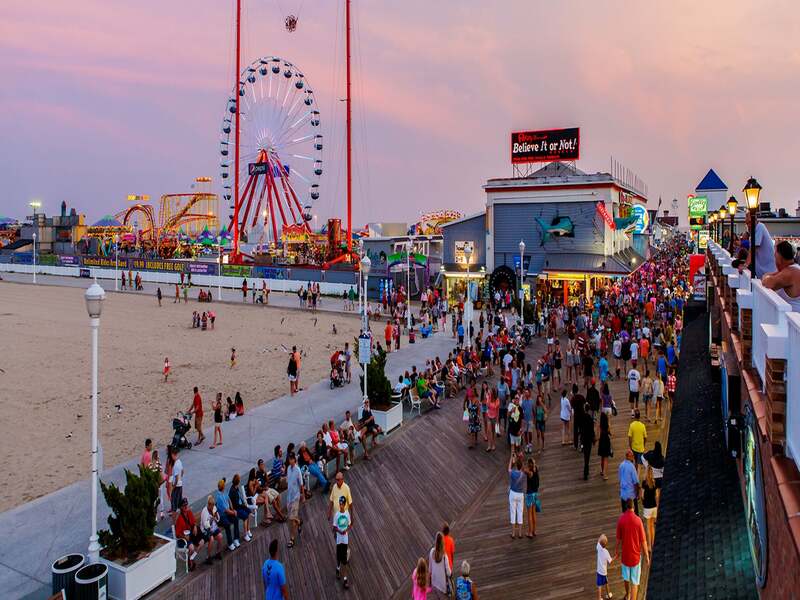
698, 211
642, 218
545, 146
702, 239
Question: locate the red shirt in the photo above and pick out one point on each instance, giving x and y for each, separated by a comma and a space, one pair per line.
671, 381
630, 532
449, 547
182, 524
197, 405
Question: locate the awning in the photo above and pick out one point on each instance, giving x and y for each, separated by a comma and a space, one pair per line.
624, 262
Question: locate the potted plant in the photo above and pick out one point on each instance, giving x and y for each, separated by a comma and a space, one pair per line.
138, 559
388, 413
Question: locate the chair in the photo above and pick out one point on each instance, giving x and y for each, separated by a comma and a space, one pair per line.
415, 401
181, 550
251, 503
397, 397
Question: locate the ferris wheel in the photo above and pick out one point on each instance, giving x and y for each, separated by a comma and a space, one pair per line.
280, 148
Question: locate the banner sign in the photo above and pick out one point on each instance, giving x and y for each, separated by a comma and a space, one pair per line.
609, 220
237, 271
145, 264
702, 239
66, 260
102, 262
545, 146
202, 268
698, 211
269, 272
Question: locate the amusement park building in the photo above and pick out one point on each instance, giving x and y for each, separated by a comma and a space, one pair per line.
57, 234
577, 229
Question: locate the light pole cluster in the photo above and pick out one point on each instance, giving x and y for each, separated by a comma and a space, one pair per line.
94, 297
365, 348
468, 303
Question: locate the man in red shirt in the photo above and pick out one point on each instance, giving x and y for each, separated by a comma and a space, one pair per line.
672, 383
630, 542
197, 410
186, 529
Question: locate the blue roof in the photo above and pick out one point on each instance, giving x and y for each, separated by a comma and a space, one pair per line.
711, 182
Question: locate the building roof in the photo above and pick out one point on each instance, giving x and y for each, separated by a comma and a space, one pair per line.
711, 182
463, 219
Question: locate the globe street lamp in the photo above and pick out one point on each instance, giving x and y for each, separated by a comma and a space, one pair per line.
521, 281
94, 297
365, 350
752, 190
731, 212
219, 268
468, 304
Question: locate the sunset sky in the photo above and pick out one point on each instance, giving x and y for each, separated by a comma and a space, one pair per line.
100, 99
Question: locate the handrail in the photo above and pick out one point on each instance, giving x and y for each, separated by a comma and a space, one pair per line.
793, 390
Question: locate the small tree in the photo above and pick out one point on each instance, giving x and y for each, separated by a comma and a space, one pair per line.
133, 517
379, 388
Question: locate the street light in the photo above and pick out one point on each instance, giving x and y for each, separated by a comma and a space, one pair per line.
116, 262
94, 297
365, 265
712, 227
752, 190
219, 268
723, 214
521, 280
732, 211
468, 304
34, 257
408, 284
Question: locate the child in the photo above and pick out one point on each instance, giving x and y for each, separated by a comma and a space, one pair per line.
604, 559
341, 526
233, 357
166, 369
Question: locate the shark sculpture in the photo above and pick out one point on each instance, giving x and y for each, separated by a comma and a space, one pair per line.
625, 224
558, 227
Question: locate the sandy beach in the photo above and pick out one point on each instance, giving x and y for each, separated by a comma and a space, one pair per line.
46, 379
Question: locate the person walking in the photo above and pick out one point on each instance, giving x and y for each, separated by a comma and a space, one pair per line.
587, 438
631, 541
420, 580
295, 494
440, 570
465, 587
540, 414
216, 407
649, 505
274, 575
177, 295
158, 296
492, 411
566, 416
516, 492
473, 417
604, 559
197, 410
655, 459
166, 369
341, 529
637, 437
604, 449
532, 502
628, 482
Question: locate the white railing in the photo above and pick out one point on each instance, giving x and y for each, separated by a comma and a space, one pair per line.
768, 309
275, 285
793, 388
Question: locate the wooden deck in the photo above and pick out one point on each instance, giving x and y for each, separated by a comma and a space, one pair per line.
421, 477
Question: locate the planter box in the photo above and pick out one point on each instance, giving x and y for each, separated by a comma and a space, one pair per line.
389, 419
135, 580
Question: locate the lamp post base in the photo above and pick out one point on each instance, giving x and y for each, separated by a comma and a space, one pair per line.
94, 549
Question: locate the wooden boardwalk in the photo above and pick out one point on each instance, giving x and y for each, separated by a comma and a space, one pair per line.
421, 477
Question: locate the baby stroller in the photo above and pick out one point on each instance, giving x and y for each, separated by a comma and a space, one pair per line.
181, 426
337, 370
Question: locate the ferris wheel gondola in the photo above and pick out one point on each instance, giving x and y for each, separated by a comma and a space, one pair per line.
280, 148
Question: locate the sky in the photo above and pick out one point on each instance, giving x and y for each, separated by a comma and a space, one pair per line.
103, 98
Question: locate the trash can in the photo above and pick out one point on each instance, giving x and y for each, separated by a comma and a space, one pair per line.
63, 573
91, 582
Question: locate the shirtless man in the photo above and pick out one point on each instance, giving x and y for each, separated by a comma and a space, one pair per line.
786, 280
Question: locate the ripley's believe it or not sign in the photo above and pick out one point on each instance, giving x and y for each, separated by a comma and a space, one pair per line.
544, 146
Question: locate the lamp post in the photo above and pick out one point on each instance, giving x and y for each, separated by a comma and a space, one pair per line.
521, 280
34, 257
468, 304
365, 265
731, 212
723, 214
116, 262
408, 283
712, 220
219, 268
94, 297
752, 190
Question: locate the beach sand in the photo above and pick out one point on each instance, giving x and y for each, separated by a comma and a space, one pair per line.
45, 380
